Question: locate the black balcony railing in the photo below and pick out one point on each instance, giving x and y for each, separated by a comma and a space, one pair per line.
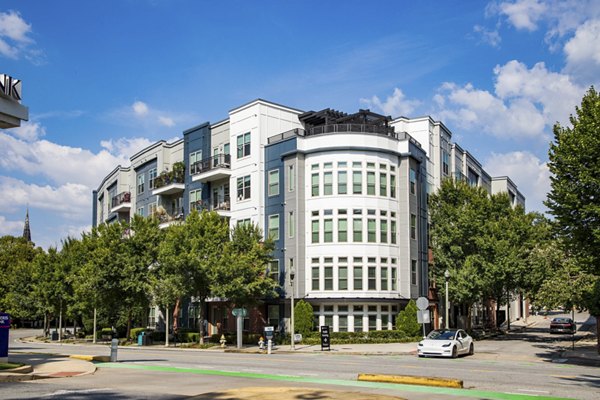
124, 197
219, 203
216, 161
358, 128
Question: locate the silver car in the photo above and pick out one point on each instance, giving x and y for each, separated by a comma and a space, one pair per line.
446, 343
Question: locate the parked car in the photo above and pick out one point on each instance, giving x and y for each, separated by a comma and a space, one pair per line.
446, 343
562, 325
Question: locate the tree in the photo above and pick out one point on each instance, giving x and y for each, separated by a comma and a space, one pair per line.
303, 318
575, 189
407, 320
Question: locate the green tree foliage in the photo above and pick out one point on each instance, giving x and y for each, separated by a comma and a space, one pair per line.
242, 277
407, 320
574, 198
303, 318
16, 270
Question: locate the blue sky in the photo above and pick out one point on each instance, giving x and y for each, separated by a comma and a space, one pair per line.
105, 79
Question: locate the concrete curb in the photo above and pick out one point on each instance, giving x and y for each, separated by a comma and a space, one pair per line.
90, 358
412, 380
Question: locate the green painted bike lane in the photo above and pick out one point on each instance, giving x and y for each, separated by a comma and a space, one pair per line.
480, 394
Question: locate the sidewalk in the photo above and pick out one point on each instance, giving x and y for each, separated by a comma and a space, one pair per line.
45, 366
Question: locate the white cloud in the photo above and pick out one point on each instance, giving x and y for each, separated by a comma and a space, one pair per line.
166, 121
524, 104
140, 108
395, 105
124, 148
523, 14
583, 52
491, 37
14, 38
528, 172
28, 131
13, 228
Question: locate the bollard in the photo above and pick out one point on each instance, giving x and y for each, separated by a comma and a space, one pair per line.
269, 346
114, 345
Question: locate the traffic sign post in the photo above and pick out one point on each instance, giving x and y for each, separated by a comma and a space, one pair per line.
239, 313
423, 313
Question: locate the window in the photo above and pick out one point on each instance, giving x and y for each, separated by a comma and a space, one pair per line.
273, 313
245, 221
274, 270
371, 183
140, 211
342, 182
274, 182
445, 162
315, 278
383, 230
342, 164
328, 231
358, 322
291, 178
358, 276
413, 181
393, 232
315, 231
472, 178
152, 317
371, 231
314, 184
274, 226
356, 182
343, 323
384, 322
342, 230
372, 278
151, 177
140, 183
226, 149
413, 272
383, 185
393, 186
327, 165
291, 225
413, 226
243, 145
356, 164
394, 278
357, 230
384, 278
195, 200
372, 322
243, 188
342, 278
152, 209
327, 183
328, 275
195, 159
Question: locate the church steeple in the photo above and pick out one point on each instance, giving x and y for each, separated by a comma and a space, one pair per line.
26, 229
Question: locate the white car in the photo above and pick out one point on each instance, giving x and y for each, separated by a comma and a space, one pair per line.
446, 343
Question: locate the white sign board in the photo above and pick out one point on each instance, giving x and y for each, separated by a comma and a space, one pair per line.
423, 317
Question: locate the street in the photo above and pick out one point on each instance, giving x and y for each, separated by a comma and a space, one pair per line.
519, 364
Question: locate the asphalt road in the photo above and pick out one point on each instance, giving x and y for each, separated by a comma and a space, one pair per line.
520, 364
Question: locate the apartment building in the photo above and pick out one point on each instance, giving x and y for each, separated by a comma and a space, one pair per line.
344, 196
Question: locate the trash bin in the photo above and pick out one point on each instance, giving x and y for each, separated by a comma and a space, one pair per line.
142, 339
54, 335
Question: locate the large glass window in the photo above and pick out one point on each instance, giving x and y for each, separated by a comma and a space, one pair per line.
328, 277
151, 178
327, 230
315, 230
342, 182
413, 226
372, 322
195, 157
384, 278
327, 183
315, 278
274, 226
274, 270
383, 185
383, 230
394, 278
358, 322
195, 200
358, 276
343, 323
413, 272
140, 183
372, 278
357, 230
342, 230
315, 184
357, 182
445, 163
393, 186
274, 182
243, 187
342, 278
243, 145
371, 183
393, 231
371, 231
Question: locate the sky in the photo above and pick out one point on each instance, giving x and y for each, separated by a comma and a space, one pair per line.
104, 79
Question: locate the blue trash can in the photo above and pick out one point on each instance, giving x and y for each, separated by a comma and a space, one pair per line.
141, 338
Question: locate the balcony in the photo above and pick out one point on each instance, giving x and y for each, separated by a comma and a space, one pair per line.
166, 219
212, 169
121, 203
168, 183
219, 203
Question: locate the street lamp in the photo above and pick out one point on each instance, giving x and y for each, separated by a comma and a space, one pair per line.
292, 274
447, 276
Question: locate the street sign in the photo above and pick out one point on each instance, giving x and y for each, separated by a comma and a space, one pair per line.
4, 328
269, 332
240, 312
423, 316
422, 303
325, 338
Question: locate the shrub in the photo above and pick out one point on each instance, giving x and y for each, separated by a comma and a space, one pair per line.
303, 318
407, 320
135, 332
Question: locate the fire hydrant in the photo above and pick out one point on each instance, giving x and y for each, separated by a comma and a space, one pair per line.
261, 343
222, 341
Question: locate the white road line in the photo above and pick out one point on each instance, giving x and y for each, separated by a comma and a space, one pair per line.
533, 391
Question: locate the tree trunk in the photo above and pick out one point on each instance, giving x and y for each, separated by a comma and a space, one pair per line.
201, 321
598, 332
128, 323
176, 316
